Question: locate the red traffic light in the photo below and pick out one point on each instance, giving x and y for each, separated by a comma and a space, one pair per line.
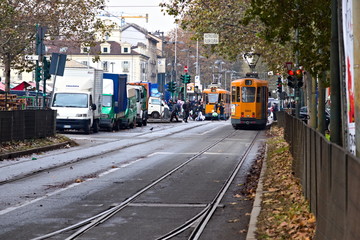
298, 72
291, 72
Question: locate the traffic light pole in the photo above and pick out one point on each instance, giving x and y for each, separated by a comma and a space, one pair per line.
37, 77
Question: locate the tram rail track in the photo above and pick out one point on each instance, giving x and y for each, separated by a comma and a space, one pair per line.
80, 159
200, 220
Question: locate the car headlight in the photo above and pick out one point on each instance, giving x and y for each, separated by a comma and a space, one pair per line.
104, 116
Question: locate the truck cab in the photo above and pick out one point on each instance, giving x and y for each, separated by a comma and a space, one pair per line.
141, 104
77, 99
129, 119
158, 108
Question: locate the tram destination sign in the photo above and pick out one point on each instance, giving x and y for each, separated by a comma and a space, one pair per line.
211, 38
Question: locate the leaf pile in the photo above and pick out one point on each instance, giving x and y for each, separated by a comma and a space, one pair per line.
14, 146
284, 212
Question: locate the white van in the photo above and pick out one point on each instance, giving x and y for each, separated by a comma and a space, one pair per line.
158, 108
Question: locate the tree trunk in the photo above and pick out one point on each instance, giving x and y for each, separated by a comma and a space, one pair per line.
312, 105
7, 63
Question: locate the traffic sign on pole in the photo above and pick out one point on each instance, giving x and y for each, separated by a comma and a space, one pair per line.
211, 38
31, 57
185, 68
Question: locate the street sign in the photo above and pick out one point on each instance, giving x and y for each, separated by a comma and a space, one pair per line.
211, 38
185, 68
31, 57
57, 65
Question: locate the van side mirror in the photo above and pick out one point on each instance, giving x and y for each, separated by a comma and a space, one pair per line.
93, 106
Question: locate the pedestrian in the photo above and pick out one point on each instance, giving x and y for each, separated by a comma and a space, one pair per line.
186, 107
216, 106
174, 112
222, 109
275, 109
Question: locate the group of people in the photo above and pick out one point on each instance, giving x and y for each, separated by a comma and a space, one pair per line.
188, 109
221, 107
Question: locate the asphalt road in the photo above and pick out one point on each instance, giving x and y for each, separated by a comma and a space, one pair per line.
64, 187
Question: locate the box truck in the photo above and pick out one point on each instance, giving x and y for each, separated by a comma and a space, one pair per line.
129, 119
141, 102
114, 101
77, 98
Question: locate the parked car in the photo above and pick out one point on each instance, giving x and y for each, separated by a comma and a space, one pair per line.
303, 114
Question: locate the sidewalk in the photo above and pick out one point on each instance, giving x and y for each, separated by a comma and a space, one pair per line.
280, 210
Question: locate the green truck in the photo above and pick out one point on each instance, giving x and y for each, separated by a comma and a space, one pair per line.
119, 103
142, 97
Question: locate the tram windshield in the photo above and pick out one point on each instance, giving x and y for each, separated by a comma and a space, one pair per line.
213, 97
248, 94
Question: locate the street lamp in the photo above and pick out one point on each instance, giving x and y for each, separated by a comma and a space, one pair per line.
252, 58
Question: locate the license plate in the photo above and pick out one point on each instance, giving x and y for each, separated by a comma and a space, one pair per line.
67, 126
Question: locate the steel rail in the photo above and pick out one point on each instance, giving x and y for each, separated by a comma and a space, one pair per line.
91, 222
215, 203
204, 216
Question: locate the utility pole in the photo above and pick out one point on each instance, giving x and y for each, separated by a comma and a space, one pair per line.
335, 122
40, 49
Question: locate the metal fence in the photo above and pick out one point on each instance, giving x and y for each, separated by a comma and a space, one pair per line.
330, 177
27, 124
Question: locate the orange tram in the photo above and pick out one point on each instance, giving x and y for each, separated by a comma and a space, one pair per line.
213, 97
249, 99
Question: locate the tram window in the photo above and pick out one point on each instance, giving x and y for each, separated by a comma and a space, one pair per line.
248, 94
258, 95
248, 82
233, 93
237, 94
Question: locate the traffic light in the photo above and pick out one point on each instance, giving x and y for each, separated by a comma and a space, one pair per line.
46, 66
185, 78
182, 78
279, 85
171, 86
299, 77
38, 74
291, 81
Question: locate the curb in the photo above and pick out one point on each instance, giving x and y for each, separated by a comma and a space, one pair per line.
33, 150
257, 202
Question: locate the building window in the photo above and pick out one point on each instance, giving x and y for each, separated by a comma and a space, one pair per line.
126, 50
105, 50
125, 65
84, 63
105, 66
85, 49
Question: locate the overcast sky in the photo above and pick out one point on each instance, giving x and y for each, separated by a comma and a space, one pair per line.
157, 20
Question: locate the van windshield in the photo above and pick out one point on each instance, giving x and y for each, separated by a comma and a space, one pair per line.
155, 101
76, 100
